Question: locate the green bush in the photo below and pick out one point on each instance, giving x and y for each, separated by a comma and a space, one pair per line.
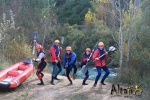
4, 65
18, 49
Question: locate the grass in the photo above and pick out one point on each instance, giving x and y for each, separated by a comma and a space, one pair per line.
4, 65
22, 95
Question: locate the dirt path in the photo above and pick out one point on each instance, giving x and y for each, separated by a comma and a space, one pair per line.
30, 91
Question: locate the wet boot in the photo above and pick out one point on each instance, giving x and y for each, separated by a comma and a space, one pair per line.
56, 78
42, 83
104, 77
70, 83
95, 83
52, 81
83, 83
102, 82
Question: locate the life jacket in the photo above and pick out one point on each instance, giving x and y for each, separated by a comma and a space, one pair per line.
101, 53
43, 60
68, 57
57, 51
85, 56
84, 59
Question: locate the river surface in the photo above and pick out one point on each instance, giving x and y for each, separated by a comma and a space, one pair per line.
93, 73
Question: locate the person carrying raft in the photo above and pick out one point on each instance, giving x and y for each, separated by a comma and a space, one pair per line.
69, 61
55, 53
41, 58
100, 63
85, 59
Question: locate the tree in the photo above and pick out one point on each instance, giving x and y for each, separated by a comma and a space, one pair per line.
132, 14
117, 6
5, 28
90, 18
72, 11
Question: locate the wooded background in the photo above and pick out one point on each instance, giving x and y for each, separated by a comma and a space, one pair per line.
122, 23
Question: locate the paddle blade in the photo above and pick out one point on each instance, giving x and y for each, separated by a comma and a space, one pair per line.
62, 40
54, 73
84, 69
34, 35
112, 48
28, 61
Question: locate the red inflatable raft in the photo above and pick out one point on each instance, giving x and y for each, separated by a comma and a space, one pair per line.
16, 74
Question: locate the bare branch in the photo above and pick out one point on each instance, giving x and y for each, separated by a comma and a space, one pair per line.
114, 38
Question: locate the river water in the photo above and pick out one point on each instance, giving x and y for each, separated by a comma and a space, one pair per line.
93, 73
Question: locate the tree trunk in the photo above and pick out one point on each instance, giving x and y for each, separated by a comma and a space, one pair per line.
138, 12
120, 37
129, 38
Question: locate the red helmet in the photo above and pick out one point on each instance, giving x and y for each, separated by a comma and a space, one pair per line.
101, 44
39, 47
88, 49
68, 48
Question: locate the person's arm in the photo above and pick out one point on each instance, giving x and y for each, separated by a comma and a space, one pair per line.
52, 53
95, 54
84, 59
72, 59
35, 42
41, 55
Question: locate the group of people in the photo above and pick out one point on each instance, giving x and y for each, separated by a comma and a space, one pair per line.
69, 62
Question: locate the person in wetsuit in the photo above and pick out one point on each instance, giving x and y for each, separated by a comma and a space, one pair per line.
55, 53
85, 59
100, 63
69, 61
41, 58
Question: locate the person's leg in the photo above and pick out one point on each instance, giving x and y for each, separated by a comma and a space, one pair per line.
68, 69
75, 71
54, 72
85, 78
98, 76
39, 74
59, 70
44, 65
105, 68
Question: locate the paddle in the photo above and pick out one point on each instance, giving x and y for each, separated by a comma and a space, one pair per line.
112, 48
34, 36
84, 67
62, 41
55, 68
